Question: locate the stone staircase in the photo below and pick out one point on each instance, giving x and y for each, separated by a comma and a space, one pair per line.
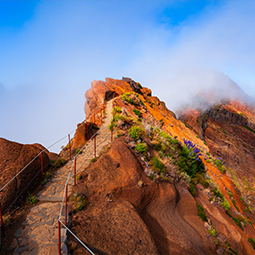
39, 232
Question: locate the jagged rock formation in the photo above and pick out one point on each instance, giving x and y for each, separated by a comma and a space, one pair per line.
130, 213
13, 157
228, 129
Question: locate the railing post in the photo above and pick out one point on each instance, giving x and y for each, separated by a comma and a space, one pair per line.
2, 223
69, 146
42, 165
95, 146
66, 206
87, 128
74, 175
59, 238
112, 132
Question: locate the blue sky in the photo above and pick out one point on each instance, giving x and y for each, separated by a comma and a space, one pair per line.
50, 51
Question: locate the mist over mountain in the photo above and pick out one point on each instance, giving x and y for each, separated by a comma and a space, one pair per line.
201, 90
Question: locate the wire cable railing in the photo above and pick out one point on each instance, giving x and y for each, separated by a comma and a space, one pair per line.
92, 115
72, 169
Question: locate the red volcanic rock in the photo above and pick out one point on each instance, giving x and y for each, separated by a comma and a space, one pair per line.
13, 158
52, 156
81, 136
156, 219
101, 91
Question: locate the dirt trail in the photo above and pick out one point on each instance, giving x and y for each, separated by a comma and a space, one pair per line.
39, 232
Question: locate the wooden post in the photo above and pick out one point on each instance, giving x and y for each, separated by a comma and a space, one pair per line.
2, 223
59, 238
42, 165
94, 118
95, 146
66, 206
74, 175
69, 146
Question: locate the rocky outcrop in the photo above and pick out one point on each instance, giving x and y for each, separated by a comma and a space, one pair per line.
96, 96
228, 129
155, 218
103, 91
158, 213
52, 156
13, 158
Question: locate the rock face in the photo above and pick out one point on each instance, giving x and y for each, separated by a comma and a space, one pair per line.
133, 210
158, 218
228, 129
153, 218
101, 91
96, 96
13, 158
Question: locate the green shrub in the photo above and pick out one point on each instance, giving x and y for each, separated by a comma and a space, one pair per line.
237, 221
159, 146
117, 109
250, 129
78, 151
78, 177
201, 213
158, 165
225, 204
136, 132
188, 162
79, 201
137, 112
59, 162
230, 193
126, 98
139, 85
217, 193
212, 231
141, 148
219, 164
234, 203
252, 242
48, 174
112, 125
192, 190
32, 199
93, 159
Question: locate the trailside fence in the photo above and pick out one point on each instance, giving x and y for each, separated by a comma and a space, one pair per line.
41, 169
63, 214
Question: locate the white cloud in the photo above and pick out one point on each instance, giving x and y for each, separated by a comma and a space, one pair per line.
49, 64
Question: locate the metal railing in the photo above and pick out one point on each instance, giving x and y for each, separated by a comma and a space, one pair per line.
100, 108
65, 191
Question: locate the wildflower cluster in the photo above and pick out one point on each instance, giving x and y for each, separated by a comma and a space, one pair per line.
189, 160
195, 152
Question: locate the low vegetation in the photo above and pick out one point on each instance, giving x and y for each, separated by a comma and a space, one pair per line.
136, 132
141, 148
212, 231
201, 213
32, 199
79, 201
